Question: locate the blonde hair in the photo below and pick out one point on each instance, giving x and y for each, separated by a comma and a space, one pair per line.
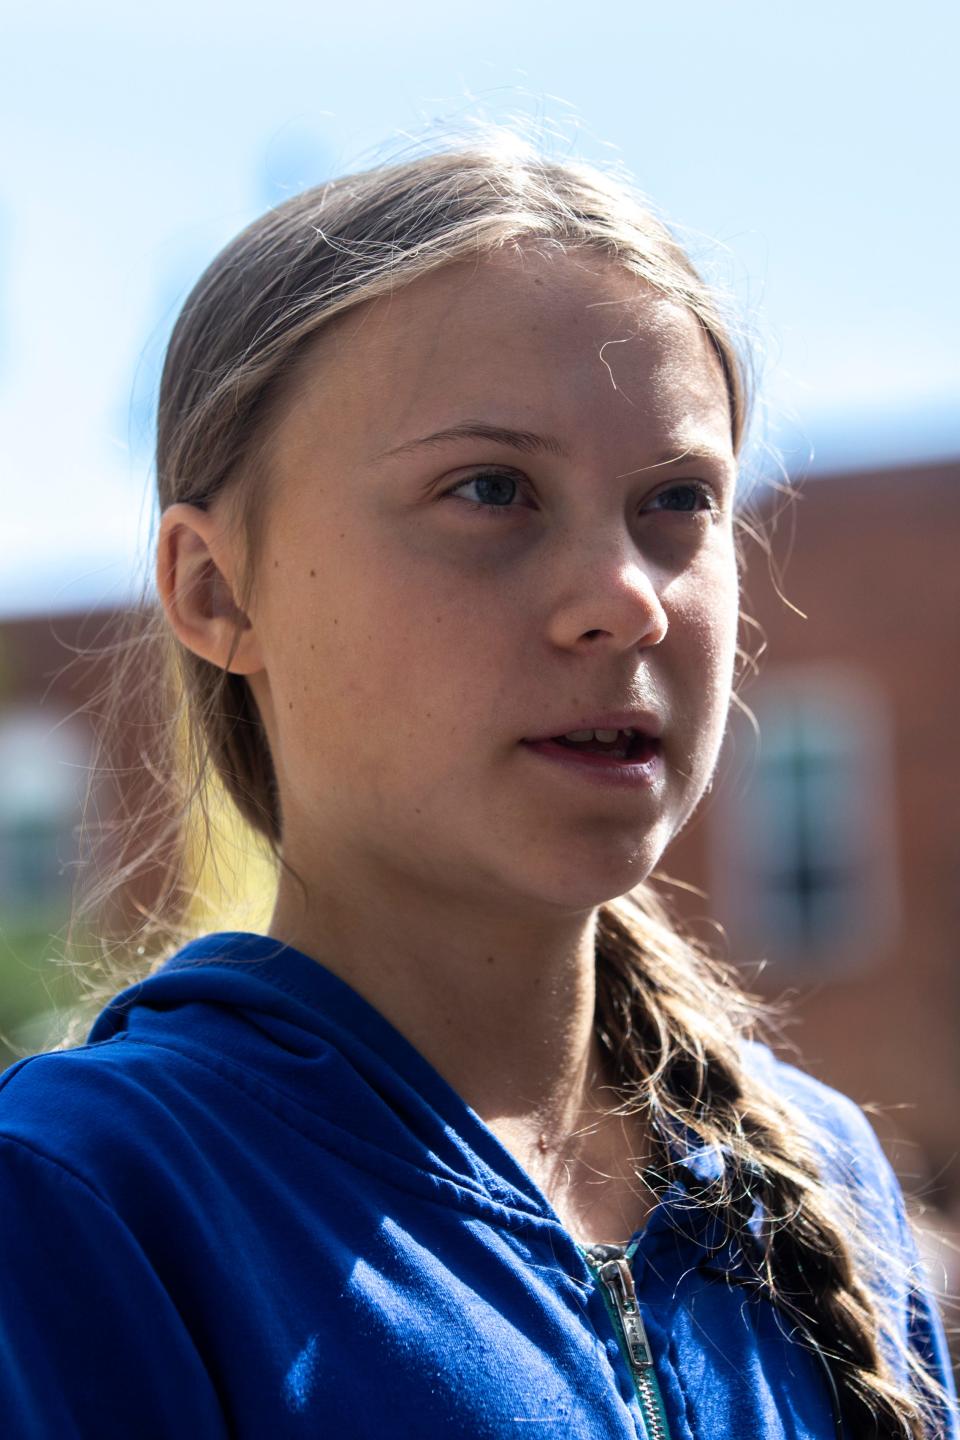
671, 1017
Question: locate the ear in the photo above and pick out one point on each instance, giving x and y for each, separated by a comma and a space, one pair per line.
194, 581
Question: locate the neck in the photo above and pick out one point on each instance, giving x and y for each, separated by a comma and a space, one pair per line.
502, 1007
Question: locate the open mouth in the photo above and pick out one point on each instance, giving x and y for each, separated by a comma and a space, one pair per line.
626, 745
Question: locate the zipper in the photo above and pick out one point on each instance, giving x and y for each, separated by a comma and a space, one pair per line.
609, 1265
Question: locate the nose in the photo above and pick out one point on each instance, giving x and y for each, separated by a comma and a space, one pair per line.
614, 600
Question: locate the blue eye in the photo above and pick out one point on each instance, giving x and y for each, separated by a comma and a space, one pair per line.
692, 497
495, 488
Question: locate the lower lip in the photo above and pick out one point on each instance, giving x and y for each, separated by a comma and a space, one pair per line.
640, 773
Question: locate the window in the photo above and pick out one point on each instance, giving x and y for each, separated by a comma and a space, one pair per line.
803, 844
44, 764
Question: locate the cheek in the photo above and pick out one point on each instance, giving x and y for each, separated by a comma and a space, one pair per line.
389, 657
704, 615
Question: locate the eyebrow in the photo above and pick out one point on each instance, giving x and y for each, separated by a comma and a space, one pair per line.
531, 443
525, 440
693, 454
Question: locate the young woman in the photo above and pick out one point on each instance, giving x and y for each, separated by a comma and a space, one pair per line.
470, 1142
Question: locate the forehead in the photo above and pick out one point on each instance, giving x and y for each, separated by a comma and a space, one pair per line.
569, 343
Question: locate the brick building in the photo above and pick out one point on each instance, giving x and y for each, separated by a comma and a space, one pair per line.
830, 846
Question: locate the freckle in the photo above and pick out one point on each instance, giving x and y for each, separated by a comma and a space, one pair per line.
275, 564
416, 811
536, 982
335, 620
313, 572
438, 618
291, 704
489, 959
342, 534
312, 646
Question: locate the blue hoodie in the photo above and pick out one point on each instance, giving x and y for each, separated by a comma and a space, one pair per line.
248, 1207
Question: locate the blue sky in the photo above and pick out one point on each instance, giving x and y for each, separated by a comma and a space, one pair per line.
806, 151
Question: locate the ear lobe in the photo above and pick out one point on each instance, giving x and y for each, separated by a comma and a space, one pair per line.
195, 591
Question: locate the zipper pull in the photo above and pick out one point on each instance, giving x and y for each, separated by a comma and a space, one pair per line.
618, 1280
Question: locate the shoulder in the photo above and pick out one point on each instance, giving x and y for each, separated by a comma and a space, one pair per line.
855, 1169
828, 1113
88, 1244
845, 1143
106, 1113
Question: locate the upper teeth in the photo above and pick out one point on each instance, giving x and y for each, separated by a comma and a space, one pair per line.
605, 735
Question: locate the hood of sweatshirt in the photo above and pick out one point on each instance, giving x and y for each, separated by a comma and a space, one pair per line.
282, 1019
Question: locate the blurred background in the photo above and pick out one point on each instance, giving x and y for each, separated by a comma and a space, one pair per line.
806, 154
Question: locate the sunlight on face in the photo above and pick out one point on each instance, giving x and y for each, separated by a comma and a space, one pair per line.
502, 501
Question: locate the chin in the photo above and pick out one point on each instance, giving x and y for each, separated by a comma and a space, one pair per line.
590, 880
